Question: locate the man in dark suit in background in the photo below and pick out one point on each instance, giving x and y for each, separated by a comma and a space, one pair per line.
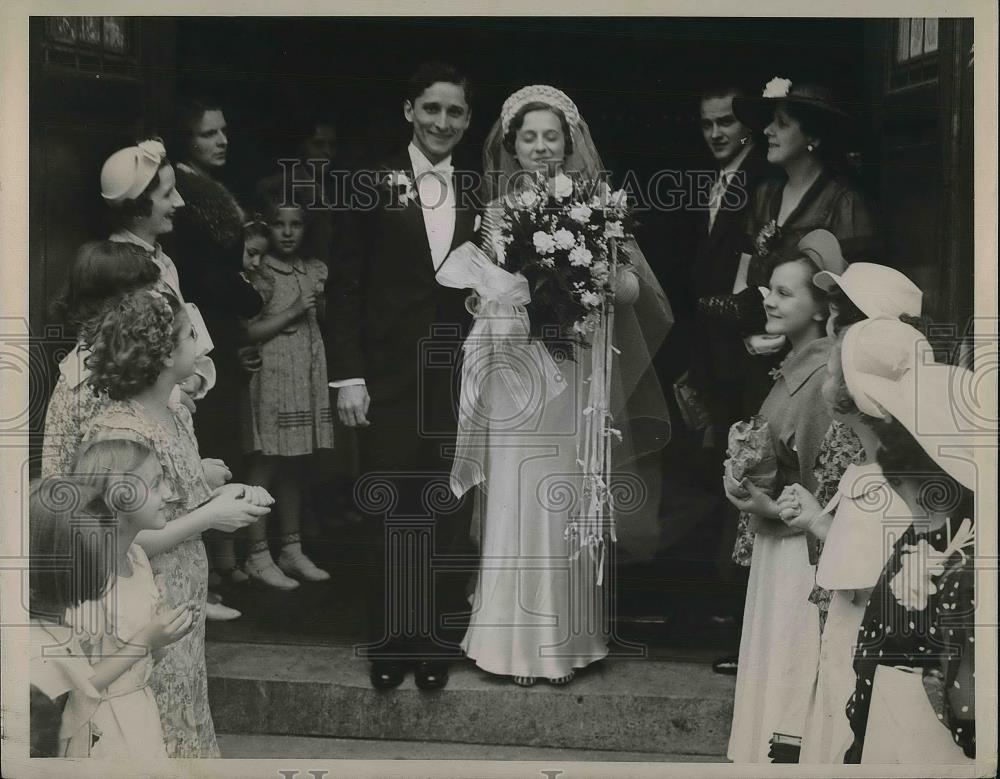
719, 361
394, 343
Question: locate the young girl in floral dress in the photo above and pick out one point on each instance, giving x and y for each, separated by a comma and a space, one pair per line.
288, 414
141, 347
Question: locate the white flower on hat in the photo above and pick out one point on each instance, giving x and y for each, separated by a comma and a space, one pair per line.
777, 87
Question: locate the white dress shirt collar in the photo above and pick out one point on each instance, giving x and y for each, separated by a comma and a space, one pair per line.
421, 164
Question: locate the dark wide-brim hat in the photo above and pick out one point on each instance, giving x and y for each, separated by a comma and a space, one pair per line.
758, 112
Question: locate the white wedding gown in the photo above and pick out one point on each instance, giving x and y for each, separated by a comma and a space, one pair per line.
537, 609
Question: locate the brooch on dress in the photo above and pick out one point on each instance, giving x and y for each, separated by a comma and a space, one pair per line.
765, 239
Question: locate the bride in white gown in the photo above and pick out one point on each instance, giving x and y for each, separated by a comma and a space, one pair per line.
540, 608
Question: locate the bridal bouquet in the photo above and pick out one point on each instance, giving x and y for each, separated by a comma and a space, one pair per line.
561, 234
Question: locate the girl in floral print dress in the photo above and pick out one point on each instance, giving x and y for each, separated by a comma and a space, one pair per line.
141, 346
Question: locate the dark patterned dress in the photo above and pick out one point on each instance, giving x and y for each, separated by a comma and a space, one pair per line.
930, 632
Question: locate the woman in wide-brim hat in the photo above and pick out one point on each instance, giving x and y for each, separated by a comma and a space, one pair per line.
807, 134
808, 189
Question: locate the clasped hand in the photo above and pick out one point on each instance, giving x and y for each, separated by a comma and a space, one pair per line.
237, 505
748, 497
797, 507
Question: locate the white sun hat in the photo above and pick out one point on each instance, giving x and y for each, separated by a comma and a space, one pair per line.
877, 290
889, 368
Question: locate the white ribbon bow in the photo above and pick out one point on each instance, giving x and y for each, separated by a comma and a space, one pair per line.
494, 350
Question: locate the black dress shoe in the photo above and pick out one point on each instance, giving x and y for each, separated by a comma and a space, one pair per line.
386, 674
430, 675
726, 665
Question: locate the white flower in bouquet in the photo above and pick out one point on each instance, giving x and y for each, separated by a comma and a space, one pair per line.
581, 256
600, 270
580, 213
591, 299
544, 243
562, 186
528, 198
777, 87
614, 230
564, 239
618, 199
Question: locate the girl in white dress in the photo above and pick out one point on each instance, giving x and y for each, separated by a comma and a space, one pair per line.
540, 609
110, 603
779, 645
857, 524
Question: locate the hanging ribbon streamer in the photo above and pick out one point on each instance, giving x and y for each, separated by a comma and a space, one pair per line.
594, 452
497, 348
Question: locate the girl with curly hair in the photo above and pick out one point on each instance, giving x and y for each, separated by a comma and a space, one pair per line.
141, 347
101, 271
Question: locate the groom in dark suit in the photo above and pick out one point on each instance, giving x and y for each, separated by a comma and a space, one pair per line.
394, 345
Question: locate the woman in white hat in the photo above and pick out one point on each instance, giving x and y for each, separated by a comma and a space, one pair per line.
779, 645
138, 186
915, 646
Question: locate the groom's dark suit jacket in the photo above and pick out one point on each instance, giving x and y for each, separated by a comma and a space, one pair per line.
386, 311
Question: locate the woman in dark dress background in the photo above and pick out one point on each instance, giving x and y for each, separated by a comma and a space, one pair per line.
207, 245
809, 187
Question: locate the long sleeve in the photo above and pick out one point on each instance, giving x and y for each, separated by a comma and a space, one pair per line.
345, 296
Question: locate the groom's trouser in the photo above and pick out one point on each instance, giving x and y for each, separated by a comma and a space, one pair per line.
418, 553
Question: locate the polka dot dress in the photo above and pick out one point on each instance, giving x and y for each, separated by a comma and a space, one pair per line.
933, 634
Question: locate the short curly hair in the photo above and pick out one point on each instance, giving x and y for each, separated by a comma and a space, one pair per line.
130, 341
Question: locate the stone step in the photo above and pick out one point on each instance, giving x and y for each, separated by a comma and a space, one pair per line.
619, 705
239, 746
